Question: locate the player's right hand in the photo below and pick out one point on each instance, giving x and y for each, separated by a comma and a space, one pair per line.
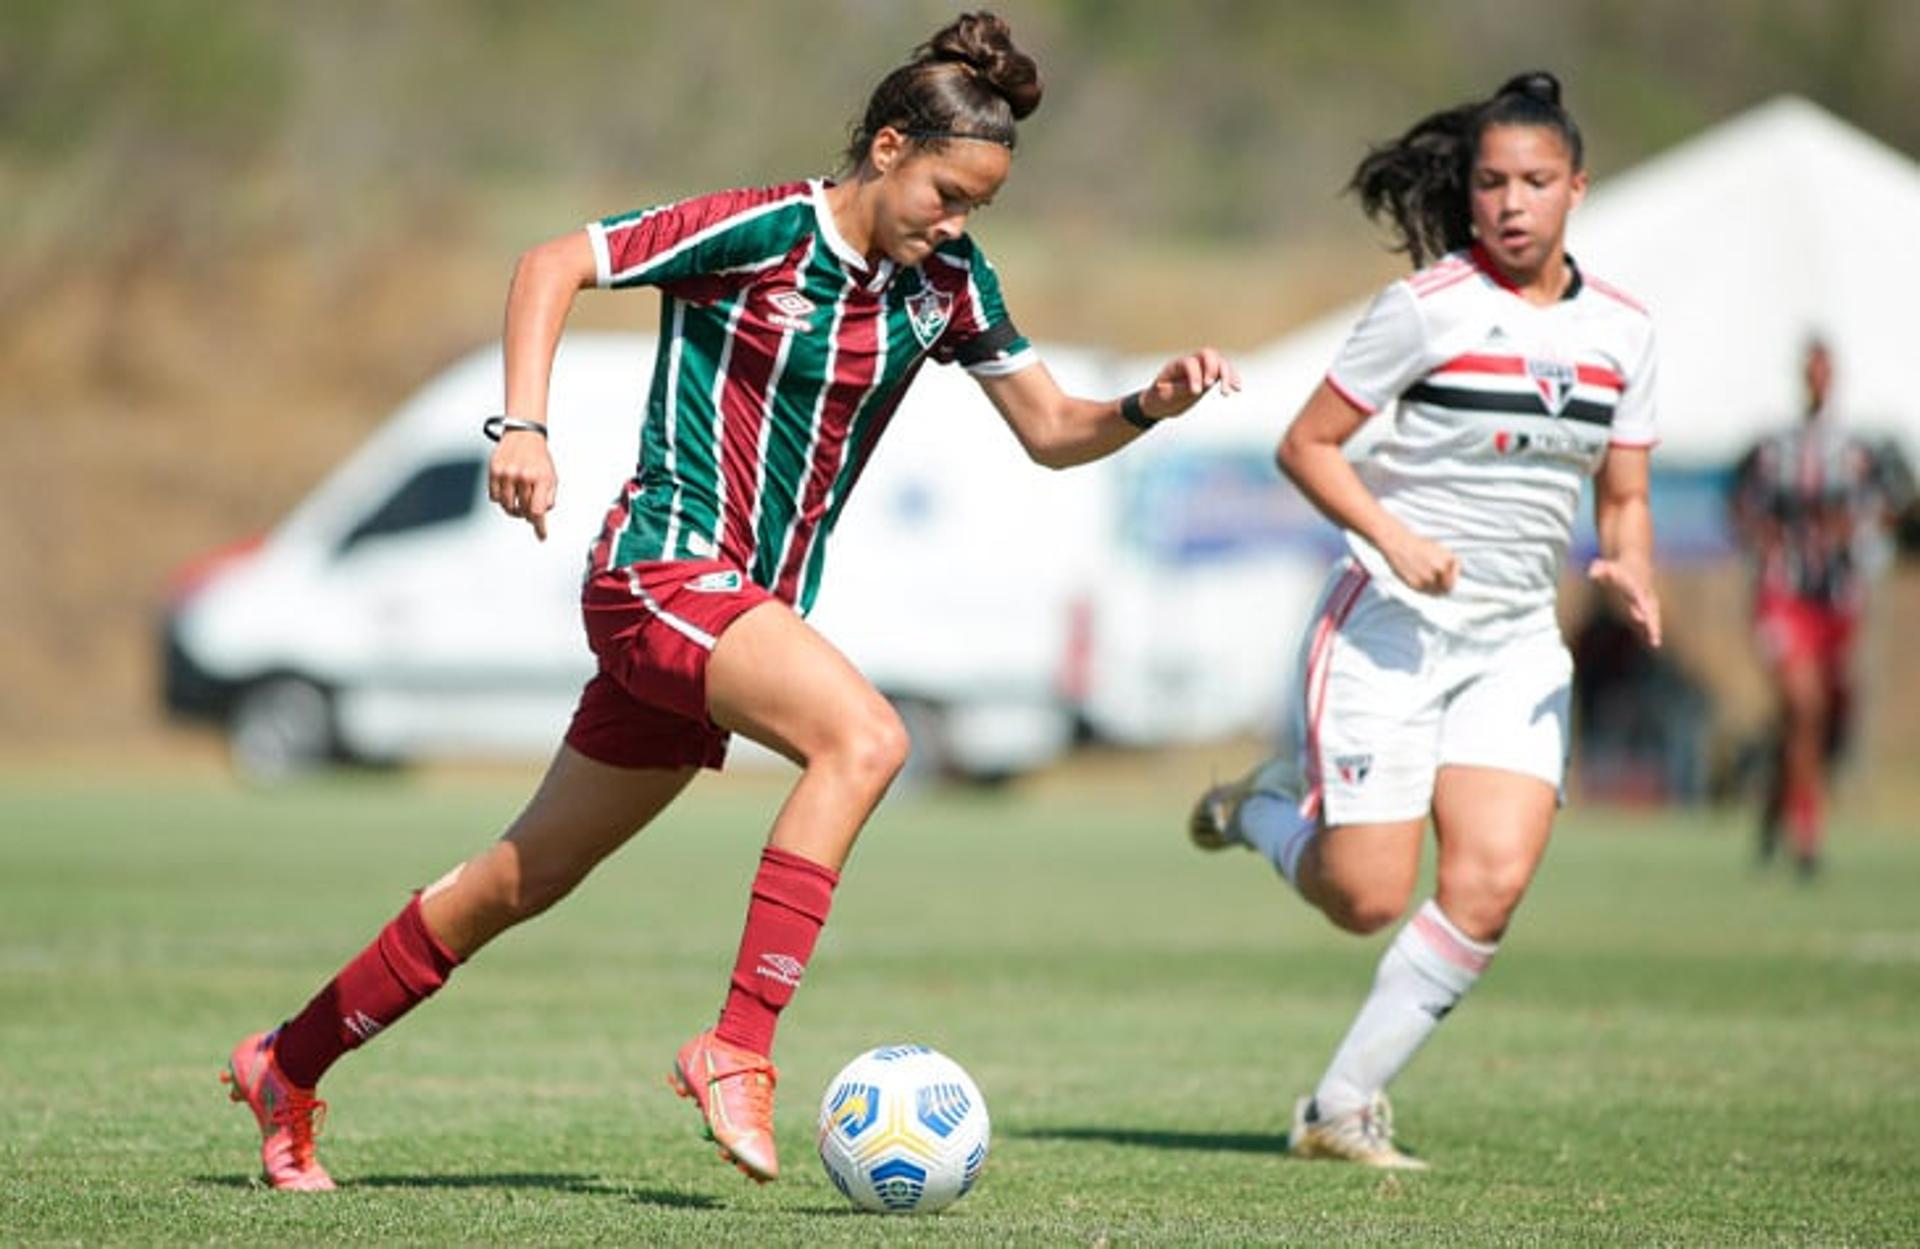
1423, 564
520, 478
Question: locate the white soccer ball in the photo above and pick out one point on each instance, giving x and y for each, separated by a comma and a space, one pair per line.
903, 1130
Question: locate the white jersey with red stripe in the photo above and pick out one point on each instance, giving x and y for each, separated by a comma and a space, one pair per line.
1503, 408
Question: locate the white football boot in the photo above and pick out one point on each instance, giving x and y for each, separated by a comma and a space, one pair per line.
1364, 1136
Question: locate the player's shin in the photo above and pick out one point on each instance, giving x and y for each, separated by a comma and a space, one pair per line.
1423, 975
402, 967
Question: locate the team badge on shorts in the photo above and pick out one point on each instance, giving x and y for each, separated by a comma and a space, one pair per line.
1352, 769
927, 311
1554, 379
717, 582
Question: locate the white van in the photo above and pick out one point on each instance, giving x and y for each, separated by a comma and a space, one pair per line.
396, 615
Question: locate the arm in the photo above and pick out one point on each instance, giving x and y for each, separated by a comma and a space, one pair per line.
1623, 517
521, 477
1061, 430
1311, 458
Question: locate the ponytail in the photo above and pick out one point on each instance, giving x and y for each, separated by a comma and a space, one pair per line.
968, 81
1420, 180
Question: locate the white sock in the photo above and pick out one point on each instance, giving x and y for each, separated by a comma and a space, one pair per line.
1272, 824
1424, 973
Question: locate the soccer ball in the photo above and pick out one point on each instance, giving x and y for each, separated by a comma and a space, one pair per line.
903, 1130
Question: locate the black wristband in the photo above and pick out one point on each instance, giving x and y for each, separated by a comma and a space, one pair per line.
497, 427
1133, 414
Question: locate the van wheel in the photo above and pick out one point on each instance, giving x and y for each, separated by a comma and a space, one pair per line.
281, 728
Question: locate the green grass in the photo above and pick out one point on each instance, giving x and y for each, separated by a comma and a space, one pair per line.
1672, 1049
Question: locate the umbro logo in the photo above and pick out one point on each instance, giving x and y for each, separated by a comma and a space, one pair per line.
791, 310
784, 968
362, 1025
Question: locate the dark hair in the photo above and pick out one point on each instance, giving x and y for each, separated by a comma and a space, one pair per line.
967, 82
1420, 179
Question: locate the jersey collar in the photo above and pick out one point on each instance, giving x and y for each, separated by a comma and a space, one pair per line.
1484, 262
874, 278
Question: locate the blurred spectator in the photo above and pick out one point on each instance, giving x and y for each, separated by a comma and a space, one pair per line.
1640, 719
1814, 507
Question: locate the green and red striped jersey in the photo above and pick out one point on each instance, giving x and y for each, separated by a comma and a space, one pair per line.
783, 355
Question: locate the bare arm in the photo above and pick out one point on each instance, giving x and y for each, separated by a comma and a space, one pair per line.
1311, 458
1060, 430
1623, 517
521, 477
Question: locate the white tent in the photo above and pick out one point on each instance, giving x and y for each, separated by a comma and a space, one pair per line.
1745, 240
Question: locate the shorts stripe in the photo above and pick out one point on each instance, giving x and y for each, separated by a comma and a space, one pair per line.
685, 628
1346, 592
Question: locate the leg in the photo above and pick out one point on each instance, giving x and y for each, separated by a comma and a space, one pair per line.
581, 813
1804, 708
1361, 876
775, 680
1493, 827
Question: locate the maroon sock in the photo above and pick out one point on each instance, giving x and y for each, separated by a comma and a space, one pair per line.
1804, 820
403, 967
791, 898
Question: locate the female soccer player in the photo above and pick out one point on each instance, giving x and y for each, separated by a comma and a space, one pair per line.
1808, 504
793, 319
1433, 680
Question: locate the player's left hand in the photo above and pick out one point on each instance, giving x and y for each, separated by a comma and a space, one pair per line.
1181, 383
1631, 582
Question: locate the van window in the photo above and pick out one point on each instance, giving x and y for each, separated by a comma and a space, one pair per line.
435, 495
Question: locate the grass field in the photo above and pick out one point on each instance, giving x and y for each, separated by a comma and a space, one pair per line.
1672, 1049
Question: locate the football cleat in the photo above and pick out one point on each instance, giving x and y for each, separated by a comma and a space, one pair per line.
289, 1116
1215, 821
1364, 1136
734, 1090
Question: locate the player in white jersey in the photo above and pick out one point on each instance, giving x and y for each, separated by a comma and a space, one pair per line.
1433, 680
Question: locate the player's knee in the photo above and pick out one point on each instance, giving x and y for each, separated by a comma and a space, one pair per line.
1484, 906
874, 749
1367, 910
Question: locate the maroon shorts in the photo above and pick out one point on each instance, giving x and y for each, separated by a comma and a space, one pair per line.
1796, 630
652, 626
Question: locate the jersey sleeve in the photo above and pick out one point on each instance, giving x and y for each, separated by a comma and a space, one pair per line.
1385, 354
718, 233
980, 336
1633, 419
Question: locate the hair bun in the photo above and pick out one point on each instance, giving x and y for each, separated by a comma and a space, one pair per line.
983, 42
1535, 84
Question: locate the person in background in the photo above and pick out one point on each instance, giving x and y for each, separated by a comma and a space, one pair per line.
793, 319
1433, 680
1812, 506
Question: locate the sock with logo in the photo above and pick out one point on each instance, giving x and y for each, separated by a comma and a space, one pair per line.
789, 905
405, 965
1271, 823
1423, 975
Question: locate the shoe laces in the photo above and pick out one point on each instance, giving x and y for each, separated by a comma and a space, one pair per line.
1376, 1122
756, 1089
302, 1115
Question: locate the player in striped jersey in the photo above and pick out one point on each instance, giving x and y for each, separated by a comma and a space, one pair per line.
794, 318
1809, 503
1433, 680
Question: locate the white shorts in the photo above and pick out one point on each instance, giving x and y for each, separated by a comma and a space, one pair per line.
1383, 699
